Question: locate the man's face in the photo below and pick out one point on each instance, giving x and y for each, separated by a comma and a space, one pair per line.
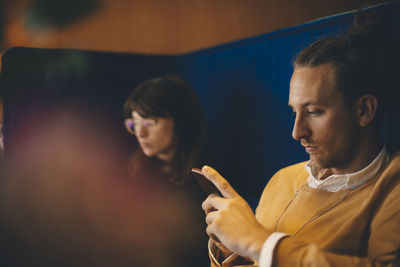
323, 124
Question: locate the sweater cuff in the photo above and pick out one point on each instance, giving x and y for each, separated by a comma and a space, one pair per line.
267, 251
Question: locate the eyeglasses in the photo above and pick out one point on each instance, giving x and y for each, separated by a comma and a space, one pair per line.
131, 124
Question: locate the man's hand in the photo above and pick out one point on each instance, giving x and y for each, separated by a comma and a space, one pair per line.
231, 220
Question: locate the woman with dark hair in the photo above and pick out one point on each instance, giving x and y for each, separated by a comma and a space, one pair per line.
166, 117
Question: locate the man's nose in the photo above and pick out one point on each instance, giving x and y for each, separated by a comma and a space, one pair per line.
300, 128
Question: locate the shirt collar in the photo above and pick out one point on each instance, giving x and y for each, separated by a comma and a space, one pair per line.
336, 182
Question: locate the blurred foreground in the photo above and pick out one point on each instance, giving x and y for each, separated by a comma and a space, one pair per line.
65, 200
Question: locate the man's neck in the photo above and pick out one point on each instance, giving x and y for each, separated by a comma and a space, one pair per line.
366, 153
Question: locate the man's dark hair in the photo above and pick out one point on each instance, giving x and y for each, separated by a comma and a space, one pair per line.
363, 59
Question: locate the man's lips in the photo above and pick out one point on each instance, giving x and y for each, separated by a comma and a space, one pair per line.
310, 149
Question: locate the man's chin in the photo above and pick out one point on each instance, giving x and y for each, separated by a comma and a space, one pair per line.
320, 169
317, 162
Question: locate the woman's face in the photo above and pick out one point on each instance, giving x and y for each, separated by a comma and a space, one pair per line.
156, 135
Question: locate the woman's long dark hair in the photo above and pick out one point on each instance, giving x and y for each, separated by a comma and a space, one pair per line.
172, 97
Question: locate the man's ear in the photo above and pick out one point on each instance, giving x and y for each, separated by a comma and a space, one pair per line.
367, 106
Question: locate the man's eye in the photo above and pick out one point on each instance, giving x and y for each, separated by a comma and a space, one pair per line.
314, 112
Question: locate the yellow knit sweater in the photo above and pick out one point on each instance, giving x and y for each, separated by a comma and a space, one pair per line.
352, 227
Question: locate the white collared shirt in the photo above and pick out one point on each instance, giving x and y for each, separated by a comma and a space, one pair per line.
332, 183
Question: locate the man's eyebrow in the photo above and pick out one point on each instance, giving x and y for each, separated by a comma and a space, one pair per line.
306, 104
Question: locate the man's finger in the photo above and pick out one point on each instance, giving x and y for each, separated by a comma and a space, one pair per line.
215, 203
211, 217
206, 206
212, 235
222, 185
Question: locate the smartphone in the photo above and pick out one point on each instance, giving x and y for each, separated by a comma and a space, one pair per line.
206, 185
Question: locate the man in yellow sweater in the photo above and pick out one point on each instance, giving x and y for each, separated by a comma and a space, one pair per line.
342, 207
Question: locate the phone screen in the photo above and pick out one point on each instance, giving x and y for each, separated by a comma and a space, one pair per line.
207, 186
